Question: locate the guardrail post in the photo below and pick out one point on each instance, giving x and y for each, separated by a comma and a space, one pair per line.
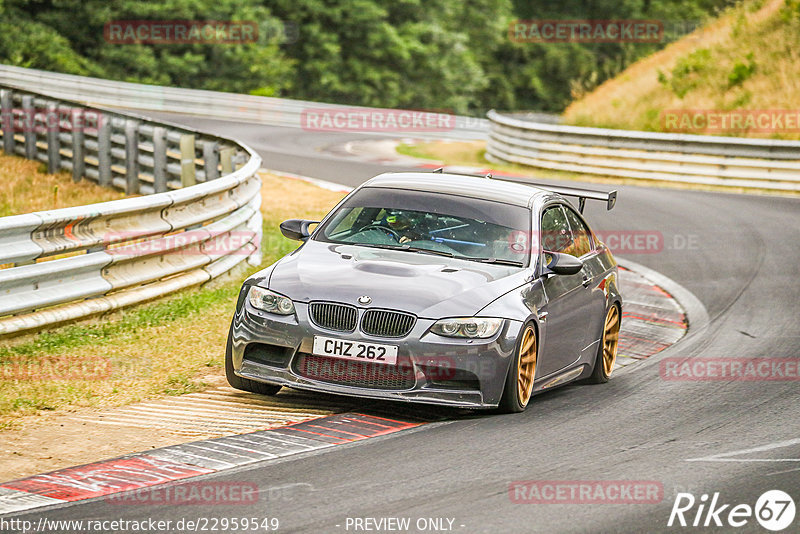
28, 127
52, 125
7, 107
211, 159
188, 174
226, 159
131, 157
159, 159
104, 151
77, 126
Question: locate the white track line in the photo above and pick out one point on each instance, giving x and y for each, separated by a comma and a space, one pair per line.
726, 456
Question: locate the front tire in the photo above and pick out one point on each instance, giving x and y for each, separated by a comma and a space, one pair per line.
244, 384
607, 351
521, 373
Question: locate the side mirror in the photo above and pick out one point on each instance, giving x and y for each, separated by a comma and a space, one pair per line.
560, 263
297, 229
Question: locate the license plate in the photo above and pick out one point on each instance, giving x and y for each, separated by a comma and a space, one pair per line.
355, 350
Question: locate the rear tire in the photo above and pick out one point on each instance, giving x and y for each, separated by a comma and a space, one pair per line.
607, 351
521, 373
244, 384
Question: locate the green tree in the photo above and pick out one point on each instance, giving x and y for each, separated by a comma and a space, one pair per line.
422, 54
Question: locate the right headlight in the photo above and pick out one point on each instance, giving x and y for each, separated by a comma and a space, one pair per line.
469, 327
269, 301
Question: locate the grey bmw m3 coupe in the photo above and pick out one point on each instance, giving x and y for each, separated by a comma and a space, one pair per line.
434, 288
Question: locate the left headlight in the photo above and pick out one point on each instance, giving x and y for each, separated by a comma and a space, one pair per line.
266, 300
471, 327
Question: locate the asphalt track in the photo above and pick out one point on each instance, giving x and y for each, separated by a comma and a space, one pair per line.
737, 254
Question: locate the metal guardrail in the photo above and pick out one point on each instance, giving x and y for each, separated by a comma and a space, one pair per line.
210, 104
199, 216
696, 159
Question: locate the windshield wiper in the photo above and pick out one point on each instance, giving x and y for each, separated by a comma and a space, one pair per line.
497, 261
377, 245
408, 248
428, 251
405, 248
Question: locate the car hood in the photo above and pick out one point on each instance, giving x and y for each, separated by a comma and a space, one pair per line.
423, 284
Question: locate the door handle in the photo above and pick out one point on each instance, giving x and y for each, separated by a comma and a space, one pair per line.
586, 281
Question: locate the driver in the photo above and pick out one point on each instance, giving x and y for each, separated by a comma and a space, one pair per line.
404, 225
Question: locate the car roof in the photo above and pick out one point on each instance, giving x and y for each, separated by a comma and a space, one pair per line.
459, 184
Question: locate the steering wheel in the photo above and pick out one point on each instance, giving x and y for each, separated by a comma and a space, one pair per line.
376, 226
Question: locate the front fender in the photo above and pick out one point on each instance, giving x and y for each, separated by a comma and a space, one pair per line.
521, 304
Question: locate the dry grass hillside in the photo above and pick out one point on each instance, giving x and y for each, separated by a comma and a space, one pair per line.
748, 59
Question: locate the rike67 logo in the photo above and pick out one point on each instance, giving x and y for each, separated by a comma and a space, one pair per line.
774, 510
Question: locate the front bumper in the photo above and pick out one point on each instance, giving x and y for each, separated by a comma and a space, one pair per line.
431, 369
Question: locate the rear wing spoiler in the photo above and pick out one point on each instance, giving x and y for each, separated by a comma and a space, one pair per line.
610, 197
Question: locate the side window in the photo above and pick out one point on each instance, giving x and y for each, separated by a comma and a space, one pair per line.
581, 236
346, 221
556, 235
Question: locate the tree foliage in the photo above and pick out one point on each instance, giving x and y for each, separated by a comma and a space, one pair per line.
422, 54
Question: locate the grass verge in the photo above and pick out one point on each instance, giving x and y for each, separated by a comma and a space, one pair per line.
25, 186
169, 347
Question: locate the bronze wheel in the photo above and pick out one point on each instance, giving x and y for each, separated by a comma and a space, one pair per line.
610, 340
526, 366
607, 349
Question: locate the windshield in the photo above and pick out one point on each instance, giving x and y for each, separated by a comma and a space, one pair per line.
449, 225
